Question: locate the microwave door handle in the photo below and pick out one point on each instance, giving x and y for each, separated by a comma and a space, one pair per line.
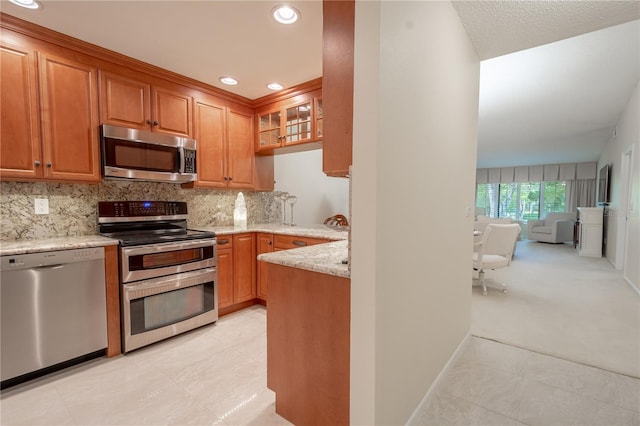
181, 160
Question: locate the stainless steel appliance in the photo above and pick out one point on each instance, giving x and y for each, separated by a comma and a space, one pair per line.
53, 310
140, 155
167, 272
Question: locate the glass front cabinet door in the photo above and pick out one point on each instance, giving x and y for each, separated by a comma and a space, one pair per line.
292, 124
269, 134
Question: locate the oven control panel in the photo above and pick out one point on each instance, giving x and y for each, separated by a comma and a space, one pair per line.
107, 209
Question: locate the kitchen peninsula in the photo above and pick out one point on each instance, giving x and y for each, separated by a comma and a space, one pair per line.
308, 333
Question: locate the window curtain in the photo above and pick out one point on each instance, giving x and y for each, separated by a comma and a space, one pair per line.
580, 193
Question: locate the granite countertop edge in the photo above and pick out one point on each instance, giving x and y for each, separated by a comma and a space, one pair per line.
8, 248
323, 258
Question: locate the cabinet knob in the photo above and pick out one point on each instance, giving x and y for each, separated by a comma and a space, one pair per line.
225, 178
270, 243
37, 163
230, 178
147, 121
155, 122
48, 164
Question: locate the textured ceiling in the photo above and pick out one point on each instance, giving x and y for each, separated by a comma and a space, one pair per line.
500, 27
553, 104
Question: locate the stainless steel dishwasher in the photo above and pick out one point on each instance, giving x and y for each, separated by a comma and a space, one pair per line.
53, 309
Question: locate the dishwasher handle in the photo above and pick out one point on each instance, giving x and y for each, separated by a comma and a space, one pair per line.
55, 266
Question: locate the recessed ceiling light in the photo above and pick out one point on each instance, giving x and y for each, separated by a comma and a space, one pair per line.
274, 86
285, 14
229, 80
29, 4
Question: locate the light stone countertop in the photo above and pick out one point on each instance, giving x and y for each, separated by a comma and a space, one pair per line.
324, 258
51, 244
85, 241
312, 231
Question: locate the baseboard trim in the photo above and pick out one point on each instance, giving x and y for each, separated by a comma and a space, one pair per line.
439, 379
632, 285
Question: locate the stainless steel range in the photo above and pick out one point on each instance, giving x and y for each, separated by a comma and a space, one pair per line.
167, 272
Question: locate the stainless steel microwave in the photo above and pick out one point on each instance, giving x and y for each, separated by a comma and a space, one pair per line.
140, 155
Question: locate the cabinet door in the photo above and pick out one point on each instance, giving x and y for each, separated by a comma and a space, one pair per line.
210, 135
318, 117
171, 112
124, 102
225, 272
269, 134
69, 101
244, 267
264, 244
297, 124
19, 123
240, 157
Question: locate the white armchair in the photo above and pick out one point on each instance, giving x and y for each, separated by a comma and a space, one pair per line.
554, 228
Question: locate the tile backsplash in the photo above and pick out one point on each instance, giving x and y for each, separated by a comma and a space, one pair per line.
73, 207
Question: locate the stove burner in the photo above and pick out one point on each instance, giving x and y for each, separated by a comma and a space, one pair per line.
146, 222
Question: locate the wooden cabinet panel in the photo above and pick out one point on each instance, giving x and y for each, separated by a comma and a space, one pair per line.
240, 148
337, 85
244, 267
135, 103
226, 158
308, 337
124, 102
225, 271
264, 244
172, 112
20, 147
210, 135
112, 282
69, 100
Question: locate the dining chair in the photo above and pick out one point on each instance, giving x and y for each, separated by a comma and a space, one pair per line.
495, 250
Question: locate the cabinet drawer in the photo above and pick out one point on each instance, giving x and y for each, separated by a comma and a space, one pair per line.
285, 242
224, 242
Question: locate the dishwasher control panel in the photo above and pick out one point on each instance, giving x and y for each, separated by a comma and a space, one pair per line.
49, 258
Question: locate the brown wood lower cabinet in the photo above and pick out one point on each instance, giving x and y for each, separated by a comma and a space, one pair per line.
308, 345
264, 244
236, 271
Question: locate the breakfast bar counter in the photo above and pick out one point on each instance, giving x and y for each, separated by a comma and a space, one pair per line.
308, 332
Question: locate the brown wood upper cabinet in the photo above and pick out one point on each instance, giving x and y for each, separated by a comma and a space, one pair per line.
337, 85
225, 145
49, 127
135, 103
289, 121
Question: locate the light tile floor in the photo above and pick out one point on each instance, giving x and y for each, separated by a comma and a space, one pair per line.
496, 384
216, 375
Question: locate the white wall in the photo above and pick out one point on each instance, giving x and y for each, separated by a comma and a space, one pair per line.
415, 127
319, 196
628, 135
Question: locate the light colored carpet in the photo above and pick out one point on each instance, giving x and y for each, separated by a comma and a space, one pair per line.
558, 303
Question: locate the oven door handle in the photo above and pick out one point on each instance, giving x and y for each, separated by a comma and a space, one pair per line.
145, 288
161, 247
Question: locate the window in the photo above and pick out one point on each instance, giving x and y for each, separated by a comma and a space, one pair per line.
521, 201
